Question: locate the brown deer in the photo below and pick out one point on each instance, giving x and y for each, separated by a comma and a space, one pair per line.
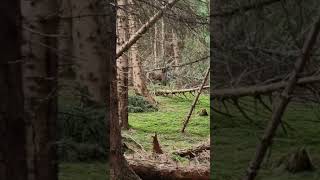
156, 145
157, 75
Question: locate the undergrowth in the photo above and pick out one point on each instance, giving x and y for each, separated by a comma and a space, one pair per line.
137, 104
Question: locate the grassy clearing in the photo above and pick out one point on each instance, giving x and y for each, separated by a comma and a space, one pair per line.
235, 142
167, 122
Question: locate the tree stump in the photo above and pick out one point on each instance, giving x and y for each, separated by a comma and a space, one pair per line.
156, 145
203, 112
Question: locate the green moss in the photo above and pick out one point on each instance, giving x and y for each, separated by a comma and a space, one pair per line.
167, 122
235, 143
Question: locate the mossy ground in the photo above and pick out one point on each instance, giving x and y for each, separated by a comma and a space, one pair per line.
235, 140
167, 122
83, 171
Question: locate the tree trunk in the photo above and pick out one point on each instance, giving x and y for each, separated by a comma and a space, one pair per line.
176, 48
89, 48
122, 64
40, 87
149, 170
155, 45
163, 43
66, 62
119, 167
139, 80
13, 163
217, 31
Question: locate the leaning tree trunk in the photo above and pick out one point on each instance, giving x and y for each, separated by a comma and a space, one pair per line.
284, 99
13, 163
120, 169
122, 64
143, 29
193, 106
89, 49
40, 86
139, 80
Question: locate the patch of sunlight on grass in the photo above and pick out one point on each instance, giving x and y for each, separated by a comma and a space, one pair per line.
167, 122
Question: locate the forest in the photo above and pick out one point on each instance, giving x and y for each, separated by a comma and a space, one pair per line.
162, 89
265, 89
106, 89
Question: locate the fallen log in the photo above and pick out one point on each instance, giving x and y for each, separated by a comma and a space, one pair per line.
192, 152
153, 170
179, 91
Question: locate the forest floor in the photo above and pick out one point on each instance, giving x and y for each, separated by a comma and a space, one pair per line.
235, 140
167, 122
83, 171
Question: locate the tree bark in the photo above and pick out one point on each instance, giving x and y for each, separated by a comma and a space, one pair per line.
216, 40
155, 45
40, 87
122, 64
120, 169
176, 48
192, 152
284, 100
13, 164
163, 43
88, 43
66, 62
139, 80
149, 170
